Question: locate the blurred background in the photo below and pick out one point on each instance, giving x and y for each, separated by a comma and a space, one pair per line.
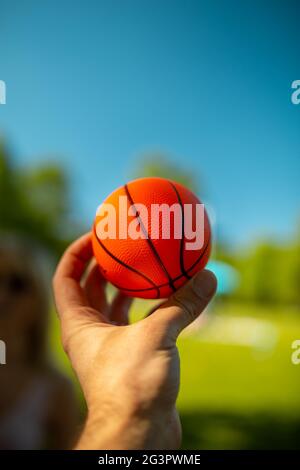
101, 92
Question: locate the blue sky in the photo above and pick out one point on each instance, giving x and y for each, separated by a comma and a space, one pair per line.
97, 84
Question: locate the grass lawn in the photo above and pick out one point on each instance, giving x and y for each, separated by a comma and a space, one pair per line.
239, 388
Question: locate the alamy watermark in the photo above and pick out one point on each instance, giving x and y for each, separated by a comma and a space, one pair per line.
2, 92
295, 357
2, 352
160, 221
295, 96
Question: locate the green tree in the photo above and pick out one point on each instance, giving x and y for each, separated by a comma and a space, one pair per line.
270, 273
34, 202
159, 165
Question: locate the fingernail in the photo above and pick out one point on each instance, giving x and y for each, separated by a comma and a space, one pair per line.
205, 284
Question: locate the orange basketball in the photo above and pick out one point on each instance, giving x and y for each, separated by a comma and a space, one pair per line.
150, 237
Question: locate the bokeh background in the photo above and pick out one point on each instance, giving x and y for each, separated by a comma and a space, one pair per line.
100, 92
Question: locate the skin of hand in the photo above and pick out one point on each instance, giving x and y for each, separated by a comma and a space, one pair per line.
129, 374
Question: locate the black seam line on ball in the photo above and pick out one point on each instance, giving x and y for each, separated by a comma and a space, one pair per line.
181, 260
149, 241
166, 283
139, 273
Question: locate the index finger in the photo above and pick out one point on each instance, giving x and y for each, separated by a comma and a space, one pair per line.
66, 281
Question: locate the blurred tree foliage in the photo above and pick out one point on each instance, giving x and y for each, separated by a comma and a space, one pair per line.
159, 165
34, 203
270, 273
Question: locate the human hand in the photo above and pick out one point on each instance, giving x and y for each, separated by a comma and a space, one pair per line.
129, 374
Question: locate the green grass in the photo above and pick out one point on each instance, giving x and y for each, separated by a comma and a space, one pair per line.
239, 388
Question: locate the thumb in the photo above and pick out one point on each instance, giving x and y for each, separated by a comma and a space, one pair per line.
185, 305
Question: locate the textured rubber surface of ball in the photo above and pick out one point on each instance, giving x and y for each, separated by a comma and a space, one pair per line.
150, 268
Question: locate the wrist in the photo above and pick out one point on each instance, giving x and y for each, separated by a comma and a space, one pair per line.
115, 436
110, 427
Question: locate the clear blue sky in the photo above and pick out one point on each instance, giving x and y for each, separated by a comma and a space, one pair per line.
99, 83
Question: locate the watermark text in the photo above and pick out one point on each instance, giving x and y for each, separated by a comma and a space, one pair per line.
295, 96
2, 92
295, 358
159, 221
2, 352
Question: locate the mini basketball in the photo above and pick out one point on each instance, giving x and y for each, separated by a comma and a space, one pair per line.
150, 237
